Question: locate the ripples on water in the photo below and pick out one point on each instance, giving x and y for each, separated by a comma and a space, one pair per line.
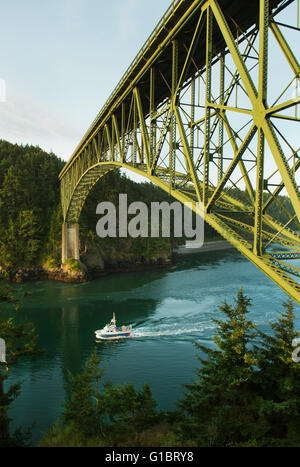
168, 309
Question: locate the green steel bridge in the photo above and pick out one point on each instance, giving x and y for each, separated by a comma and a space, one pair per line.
207, 111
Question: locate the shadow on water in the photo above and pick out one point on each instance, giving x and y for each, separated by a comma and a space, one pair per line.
67, 332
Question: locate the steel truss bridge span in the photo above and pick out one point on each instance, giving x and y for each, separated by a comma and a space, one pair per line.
208, 112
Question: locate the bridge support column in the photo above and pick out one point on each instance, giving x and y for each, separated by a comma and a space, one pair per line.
64, 243
76, 241
70, 242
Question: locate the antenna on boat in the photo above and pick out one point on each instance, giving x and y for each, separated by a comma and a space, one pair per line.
113, 319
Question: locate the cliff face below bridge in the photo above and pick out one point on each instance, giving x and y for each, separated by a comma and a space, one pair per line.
98, 258
103, 256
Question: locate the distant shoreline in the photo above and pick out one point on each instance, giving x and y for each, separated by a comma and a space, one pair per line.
206, 247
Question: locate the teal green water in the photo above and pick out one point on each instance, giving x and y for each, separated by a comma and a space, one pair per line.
168, 309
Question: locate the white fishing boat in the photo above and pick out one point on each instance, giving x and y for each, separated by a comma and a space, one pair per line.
111, 331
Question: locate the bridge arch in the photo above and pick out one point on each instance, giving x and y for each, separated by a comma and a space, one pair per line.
93, 175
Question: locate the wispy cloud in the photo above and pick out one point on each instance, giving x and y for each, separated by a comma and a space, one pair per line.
25, 122
2, 90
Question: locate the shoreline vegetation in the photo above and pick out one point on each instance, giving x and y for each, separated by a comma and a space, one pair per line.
31, 220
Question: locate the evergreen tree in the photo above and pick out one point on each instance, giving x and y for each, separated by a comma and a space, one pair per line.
128, 411
20, 342
111, 416
29, 194
83, 407
247, 391
278, 380
217, 408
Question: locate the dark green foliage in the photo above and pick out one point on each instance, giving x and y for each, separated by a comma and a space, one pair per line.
81, 410
21, 341
29, 197
281, 209
111, 415
108, 189
247, 390
22, 240
217, 406
129, 410
31, 215
278, 380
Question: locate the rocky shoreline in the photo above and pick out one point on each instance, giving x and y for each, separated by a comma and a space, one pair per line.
78, 275
77, 272
37, 273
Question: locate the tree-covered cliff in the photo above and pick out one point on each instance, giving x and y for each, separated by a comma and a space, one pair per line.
31, 218
29, 201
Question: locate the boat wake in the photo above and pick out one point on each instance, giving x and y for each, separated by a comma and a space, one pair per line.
164, 333
171, 329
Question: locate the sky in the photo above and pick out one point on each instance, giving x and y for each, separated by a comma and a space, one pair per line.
59, 62
61, 59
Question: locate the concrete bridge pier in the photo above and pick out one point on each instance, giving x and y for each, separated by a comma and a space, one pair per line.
70, 242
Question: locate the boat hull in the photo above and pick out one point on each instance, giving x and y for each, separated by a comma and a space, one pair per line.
111, 336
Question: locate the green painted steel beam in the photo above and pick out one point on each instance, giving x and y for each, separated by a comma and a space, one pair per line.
164, 122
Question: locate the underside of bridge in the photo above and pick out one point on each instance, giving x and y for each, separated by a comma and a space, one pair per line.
208, 111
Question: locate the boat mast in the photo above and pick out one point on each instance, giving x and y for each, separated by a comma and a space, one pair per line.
113, 319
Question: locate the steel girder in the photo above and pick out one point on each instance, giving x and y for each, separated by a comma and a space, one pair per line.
200, 115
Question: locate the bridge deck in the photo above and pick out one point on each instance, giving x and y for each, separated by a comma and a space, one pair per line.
178, 23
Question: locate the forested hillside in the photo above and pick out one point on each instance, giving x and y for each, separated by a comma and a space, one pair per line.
29, 203
281, 210
30, 212
31, 218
